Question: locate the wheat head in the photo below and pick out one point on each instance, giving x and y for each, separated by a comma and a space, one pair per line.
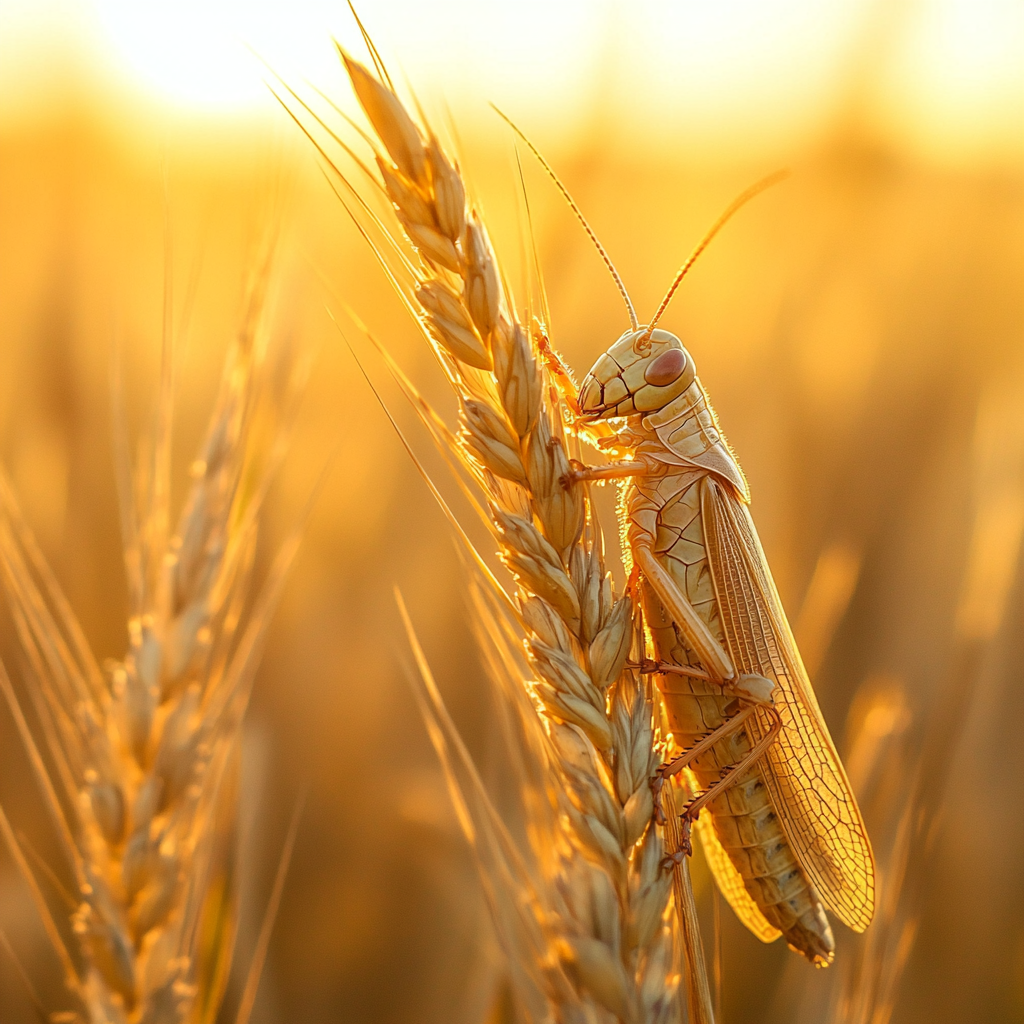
586, 923
141, 758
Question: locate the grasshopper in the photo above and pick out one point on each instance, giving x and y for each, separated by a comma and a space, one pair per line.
785, 839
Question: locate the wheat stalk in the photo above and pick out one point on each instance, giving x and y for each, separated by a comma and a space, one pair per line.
592, 911
141, 759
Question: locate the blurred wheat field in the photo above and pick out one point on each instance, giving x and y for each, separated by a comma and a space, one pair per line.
861, 330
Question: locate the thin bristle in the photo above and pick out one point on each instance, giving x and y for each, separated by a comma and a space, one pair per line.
71, 978
23, 977
428, 480
371, 47
534, 254
123, 477
508, 882
252, 980
335, 138
445, 441
52, 802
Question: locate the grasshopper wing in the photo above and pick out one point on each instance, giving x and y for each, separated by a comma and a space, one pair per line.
728, 879
802, 770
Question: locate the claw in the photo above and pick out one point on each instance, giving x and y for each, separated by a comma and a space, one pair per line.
685, 844
671, 860
657, 781
574, 476
645, 666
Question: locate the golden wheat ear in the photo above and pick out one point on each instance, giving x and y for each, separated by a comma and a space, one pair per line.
138, 763
578, 894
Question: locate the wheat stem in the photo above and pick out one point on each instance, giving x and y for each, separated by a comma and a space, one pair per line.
698, 991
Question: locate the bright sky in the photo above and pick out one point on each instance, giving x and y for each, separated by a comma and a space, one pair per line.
949, 73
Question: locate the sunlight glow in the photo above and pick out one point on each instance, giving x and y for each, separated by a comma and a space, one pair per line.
949, 69
200, 52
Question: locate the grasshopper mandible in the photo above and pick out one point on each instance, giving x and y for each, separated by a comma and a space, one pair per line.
785, 840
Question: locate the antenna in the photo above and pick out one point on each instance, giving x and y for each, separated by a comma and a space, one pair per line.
634, 323
740, 200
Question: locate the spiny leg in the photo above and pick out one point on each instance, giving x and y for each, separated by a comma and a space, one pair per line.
676, 764
730, 776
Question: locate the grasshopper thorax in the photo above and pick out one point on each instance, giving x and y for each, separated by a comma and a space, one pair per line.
638, 374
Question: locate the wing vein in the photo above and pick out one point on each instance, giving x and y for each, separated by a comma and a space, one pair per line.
802, 771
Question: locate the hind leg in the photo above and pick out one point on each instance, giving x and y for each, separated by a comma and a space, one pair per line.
730, 776
687, 757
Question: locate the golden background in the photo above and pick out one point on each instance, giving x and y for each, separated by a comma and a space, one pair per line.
860, 329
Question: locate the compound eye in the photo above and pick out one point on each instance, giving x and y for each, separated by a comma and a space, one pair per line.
666, 368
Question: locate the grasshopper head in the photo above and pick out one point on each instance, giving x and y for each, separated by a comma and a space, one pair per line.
636, 375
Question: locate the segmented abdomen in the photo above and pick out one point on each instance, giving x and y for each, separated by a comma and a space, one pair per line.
744, 819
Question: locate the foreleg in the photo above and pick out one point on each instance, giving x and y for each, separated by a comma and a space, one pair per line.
620, 470
658, 668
